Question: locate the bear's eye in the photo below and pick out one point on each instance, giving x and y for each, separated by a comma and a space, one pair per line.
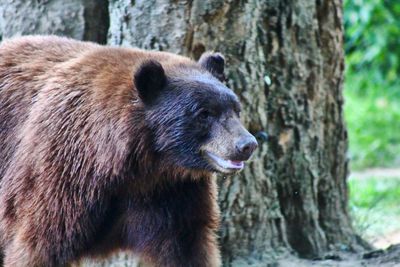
204, 115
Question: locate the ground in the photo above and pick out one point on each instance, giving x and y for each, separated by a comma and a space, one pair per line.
374, 204
382, 258
374, 195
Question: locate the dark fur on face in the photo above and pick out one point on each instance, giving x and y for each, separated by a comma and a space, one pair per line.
202, 117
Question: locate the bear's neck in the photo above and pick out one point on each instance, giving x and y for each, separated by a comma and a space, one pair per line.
146, 169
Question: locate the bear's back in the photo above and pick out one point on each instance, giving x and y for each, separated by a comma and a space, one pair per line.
42, 75
22, 62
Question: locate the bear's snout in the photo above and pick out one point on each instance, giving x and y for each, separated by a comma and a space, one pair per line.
246, 146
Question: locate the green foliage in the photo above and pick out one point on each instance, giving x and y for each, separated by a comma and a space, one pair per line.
373, 191
372, 109
374, 205
372, 37
374, 126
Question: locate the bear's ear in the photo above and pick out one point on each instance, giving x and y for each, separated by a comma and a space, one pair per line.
149, 81
214, 63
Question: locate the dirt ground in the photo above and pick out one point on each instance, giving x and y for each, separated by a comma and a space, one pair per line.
387, 240
387, 253
393, 237
377, 172
375, 258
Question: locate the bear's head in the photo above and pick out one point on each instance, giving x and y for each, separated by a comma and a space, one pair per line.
193, 117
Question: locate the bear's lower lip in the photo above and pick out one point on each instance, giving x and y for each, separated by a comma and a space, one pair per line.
226, 164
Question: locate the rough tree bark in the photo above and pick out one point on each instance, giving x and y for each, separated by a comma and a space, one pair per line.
285, 61
80, 19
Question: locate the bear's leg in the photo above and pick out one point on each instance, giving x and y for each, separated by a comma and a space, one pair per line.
193, 251
180, 250
19, 254
1, 253
162, 243
188, 249
1, 257
174, 227
27, 246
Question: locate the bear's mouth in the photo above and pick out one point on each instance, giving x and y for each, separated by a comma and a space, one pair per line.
224, 165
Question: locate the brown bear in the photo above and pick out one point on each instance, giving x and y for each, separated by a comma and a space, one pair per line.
105, 148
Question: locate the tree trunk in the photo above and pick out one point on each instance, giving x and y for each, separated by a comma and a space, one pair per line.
80, 19
285, 61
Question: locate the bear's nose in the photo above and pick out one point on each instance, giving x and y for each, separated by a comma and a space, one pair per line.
246, 146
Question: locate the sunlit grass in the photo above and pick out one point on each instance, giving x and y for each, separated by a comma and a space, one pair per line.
375, 206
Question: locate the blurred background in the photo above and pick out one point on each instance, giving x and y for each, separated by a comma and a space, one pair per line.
372, 111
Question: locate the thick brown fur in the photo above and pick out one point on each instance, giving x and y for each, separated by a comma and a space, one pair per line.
77, 175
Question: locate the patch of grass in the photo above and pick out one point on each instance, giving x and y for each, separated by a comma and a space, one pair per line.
372, 112
374, 205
